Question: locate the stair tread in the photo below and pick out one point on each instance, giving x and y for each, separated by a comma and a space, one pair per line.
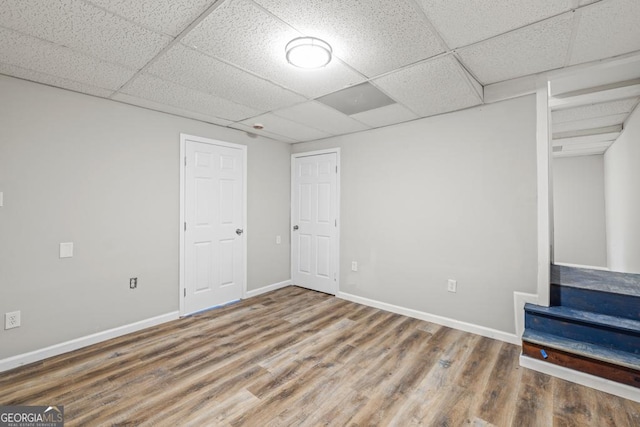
596, 280
593, 351
563, 312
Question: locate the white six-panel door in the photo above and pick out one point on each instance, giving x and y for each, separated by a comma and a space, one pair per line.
314, 208
213, 232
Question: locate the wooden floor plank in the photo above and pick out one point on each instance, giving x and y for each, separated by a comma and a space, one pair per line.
295, 357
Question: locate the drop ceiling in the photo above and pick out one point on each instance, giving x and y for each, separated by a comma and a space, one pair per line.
223, 61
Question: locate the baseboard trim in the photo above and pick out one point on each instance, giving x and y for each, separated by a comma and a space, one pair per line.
75, 344
440, 320
268, 288
611, 387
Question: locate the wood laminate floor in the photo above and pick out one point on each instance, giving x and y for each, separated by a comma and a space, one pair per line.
294, 357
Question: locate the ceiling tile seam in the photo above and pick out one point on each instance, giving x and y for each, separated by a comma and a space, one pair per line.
244, 70
302, 124
277, 18
172, 43
266, 134
275, 113
87, 55
56, 77
373, 83
521, 28
124, 18
463, 71
575, 24
199, 91
167, 112
443, 44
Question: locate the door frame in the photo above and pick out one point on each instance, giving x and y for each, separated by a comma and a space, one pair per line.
182, 160
336, 244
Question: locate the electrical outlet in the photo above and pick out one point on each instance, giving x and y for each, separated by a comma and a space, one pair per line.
12, 320
133, 283
354, 265
278, 240
452, 285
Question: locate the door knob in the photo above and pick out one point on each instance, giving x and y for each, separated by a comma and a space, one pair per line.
295, 227
239, 231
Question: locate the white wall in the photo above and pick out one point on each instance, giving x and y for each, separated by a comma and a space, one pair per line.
578, 211
105, 175
452, 196
622, 189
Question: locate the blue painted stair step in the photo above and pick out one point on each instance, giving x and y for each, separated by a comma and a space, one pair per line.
605, 292
607, 331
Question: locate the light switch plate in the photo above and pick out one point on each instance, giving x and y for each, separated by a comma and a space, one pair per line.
66, 250
1, 199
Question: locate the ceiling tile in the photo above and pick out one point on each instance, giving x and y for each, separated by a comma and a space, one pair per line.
37, 55
461, 23
163, 16
249, 130
145, 103
201, 72
538, 47
280, 126
594, 110
35, 76
592, 123
161, 91
432, 87
243, 34
372, 36
384, 116
84, 28
319, 116
607, 29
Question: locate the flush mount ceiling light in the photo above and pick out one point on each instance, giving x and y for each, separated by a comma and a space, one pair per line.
308, 52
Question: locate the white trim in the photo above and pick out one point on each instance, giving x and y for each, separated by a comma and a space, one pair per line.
509, 89
263, 290
590, 267
445, 321
630, 91
75, 344
336, 260
526, 85
602, 384
545, 225
519, 300
183, 142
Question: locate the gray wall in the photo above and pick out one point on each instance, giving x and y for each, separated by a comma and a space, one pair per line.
452, 196
578, 211
105, 176
622, 184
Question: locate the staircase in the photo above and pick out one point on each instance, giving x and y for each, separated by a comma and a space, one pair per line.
592, 325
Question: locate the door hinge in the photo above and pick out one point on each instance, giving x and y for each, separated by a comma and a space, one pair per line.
185, 226
185, 292
185, 161
336, 222
336, 169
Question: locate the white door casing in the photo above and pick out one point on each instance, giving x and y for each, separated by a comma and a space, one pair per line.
314, 220
212, 232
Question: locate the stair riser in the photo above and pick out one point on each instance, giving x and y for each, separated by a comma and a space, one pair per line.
605, 336
619, 374
597, 302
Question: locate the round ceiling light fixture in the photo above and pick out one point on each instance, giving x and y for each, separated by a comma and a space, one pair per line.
308, 52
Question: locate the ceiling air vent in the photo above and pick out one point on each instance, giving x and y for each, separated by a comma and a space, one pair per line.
557, 149
356, 99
